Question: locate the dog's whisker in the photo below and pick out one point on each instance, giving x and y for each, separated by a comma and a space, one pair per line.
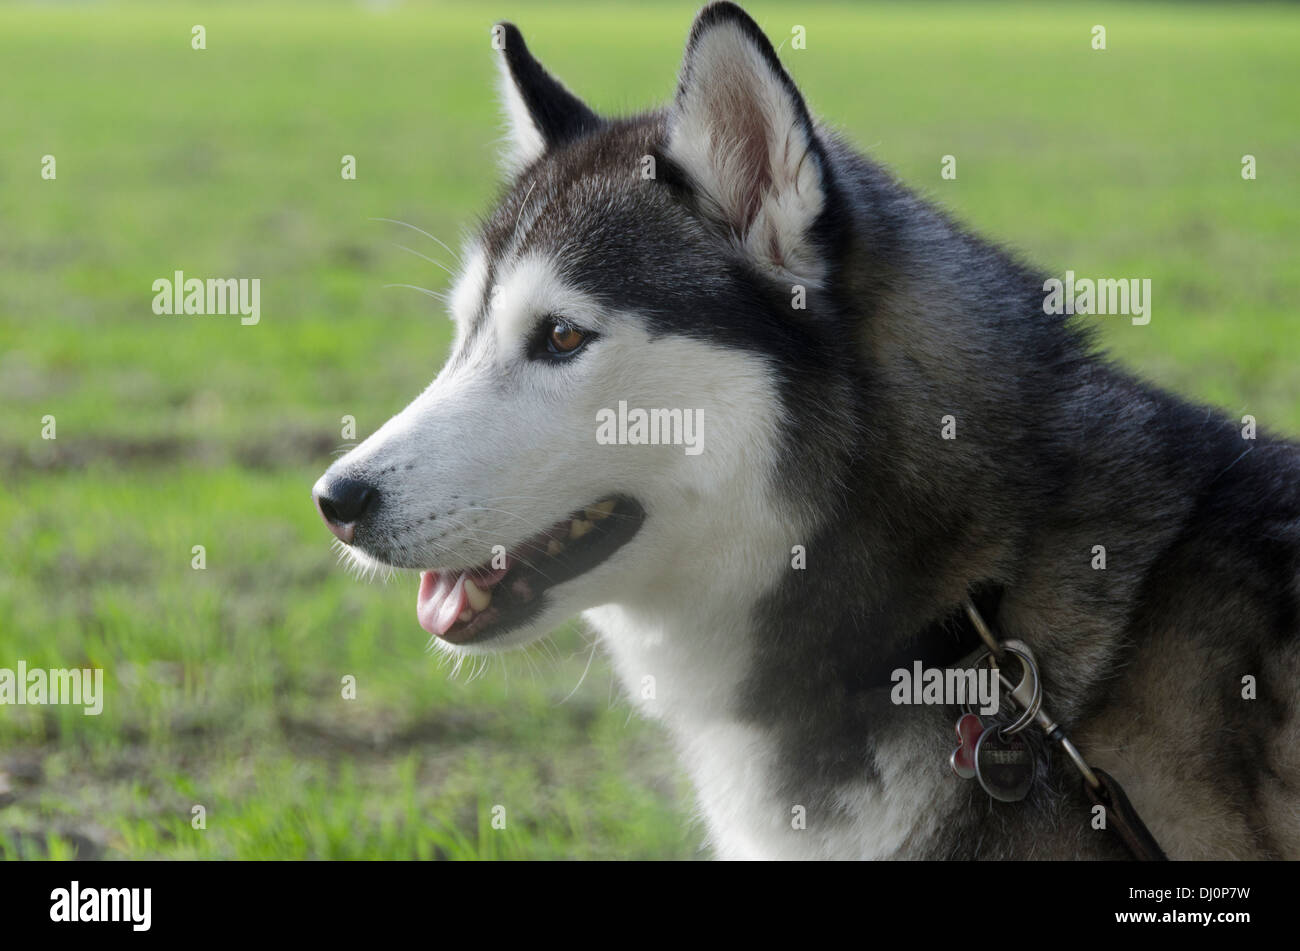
531, 523
519, 217
583, 678
407, 224
436, 295
426, 258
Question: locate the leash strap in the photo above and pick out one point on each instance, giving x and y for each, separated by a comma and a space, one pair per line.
1124, 820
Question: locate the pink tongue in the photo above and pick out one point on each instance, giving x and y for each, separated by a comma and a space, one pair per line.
440, 601
442, 596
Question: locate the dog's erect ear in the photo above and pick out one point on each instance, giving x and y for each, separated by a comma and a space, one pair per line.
541, 112
740, 131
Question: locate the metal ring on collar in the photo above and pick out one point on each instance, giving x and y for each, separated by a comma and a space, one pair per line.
1035, 701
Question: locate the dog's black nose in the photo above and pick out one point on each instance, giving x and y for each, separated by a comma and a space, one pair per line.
342, 503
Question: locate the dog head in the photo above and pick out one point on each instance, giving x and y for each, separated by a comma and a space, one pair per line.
629, 325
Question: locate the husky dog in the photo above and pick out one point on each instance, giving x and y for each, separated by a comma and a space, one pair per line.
730, 260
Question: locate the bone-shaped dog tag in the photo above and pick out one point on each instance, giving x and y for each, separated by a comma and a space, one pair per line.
962, 760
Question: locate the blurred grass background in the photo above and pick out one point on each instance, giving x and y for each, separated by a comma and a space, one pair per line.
223, 685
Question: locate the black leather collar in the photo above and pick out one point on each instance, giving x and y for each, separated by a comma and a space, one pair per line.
946, 642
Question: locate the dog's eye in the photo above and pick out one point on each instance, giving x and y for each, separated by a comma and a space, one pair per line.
565, 338
561, 339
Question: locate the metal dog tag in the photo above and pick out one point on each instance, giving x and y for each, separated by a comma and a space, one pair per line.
1004, 767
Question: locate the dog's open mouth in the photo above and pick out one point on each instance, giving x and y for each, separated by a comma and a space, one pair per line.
462, 605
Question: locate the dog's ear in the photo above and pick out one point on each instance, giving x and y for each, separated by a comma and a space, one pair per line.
542, 114
740, 131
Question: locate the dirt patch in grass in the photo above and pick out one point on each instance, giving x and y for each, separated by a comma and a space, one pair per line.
263, 451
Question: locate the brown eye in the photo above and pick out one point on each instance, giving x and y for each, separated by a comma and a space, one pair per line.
564, 338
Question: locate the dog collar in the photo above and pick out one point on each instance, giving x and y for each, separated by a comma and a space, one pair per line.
952, 641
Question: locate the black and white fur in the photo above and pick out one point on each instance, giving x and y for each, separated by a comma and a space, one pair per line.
823, 430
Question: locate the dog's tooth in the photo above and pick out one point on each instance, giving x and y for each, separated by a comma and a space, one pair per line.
579, 527
478, 598
465, 615
600, 510
554, 547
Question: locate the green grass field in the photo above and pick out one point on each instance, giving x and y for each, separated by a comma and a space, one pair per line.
224, 684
